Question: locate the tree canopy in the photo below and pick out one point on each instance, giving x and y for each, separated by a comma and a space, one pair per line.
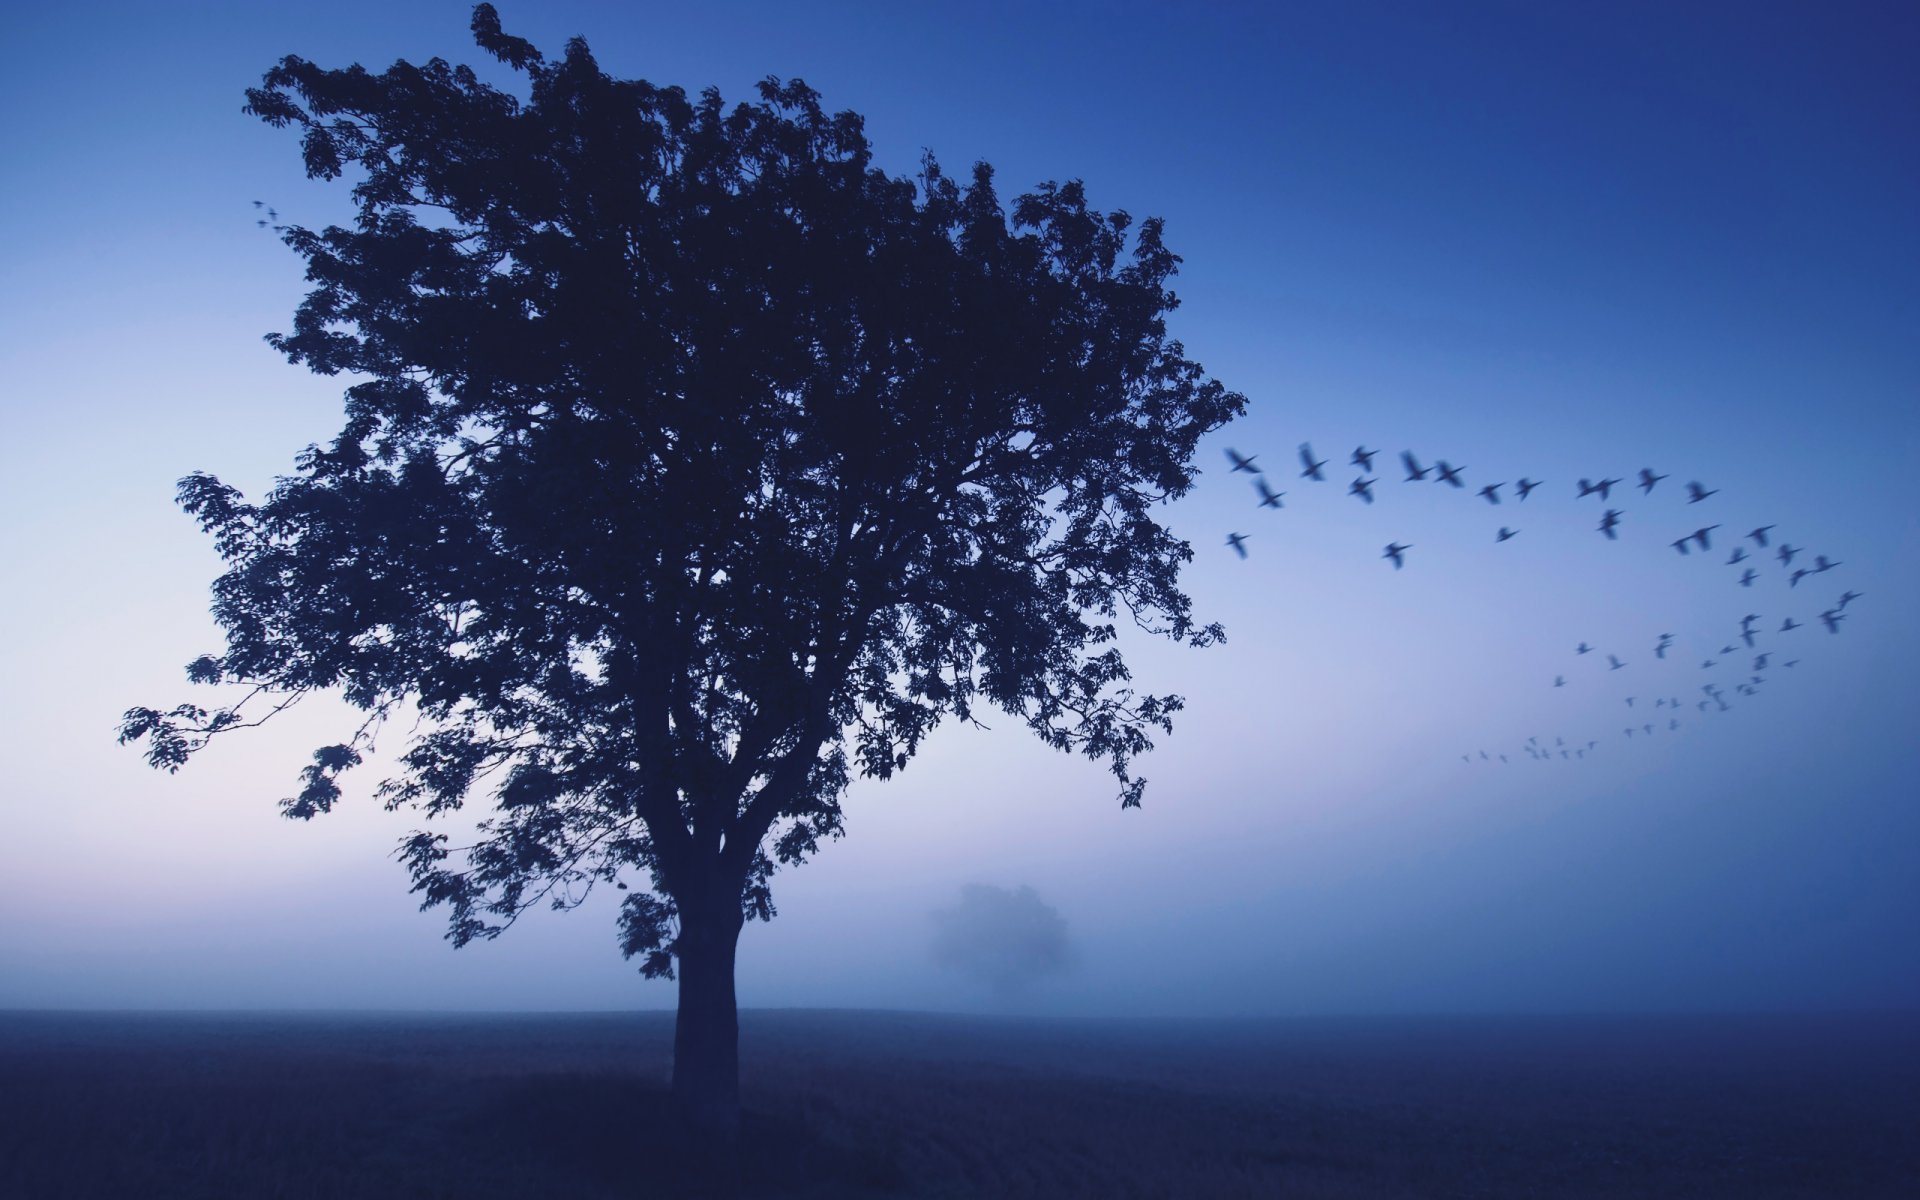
692, 465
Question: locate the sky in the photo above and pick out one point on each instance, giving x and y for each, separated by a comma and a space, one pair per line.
1554, 241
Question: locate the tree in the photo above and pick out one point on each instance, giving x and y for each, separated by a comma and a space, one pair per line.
691, 465
1007, 938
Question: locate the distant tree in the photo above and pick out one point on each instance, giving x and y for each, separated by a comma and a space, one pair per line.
691, 464
1007, 938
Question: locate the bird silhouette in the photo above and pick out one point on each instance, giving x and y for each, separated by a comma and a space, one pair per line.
1728, 650
1792, 662
1821, 563
1362, 488
1831, 619
1559, 681
1760, 661
1747, 636
1739, 555
1525, 487
1243, 462
1786, 554
1696, 493
1747, 578
1449, 474
1614, 664
1415, 472
1608, 522
1707, 665
1362, 458
1748, 620
1268, 497
1583, 648
1394, 551
1239, 543
1648, 479
1603, 488
1629, 701
1680, 544
1700, 535
1504, 534
1760, 535
1789, 625
1312, 468
1799, 573
1846, 599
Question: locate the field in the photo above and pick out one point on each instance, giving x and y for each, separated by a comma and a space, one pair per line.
858, 1104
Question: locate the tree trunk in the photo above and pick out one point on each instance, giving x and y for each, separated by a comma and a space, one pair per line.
706, 1041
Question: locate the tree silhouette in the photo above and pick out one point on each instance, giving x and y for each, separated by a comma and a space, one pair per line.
1007, 938
692, 464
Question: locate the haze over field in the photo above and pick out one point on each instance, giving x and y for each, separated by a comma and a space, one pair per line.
1531, 242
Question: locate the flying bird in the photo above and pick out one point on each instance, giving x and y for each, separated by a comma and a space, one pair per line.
1680, 544
1313, 468
1504, 534
1846, 599
1760, 662
1739, 555
1588, 487
1362, 488
1415, 472
1362, 458
1786, 554
1614, 664
1820, 563
1746, 580
1394, 551
1608, 522
1696, 493
1268, 497
1629, 701
1728, 650
1648, 479
1700, 535
1559, 681
1582, 648
1243, 462
1492, 492
1832, 618
1749, 619
1706, 665
1760, 535
1789, 625
1448, 474
1799, 573
1239, 543
1525, 487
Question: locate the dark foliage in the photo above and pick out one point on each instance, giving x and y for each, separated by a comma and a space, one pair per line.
691, 466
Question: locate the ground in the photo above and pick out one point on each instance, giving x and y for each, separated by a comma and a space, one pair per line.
856, 1104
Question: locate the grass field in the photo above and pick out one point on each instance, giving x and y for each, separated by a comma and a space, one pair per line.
861, 1104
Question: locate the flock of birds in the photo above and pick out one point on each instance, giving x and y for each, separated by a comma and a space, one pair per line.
1666, 709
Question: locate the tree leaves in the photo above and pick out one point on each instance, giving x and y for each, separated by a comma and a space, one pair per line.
691, 464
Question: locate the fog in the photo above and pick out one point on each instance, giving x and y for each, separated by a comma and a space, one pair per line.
1533, 244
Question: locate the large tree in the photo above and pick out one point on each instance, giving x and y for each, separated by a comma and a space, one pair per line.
691, 465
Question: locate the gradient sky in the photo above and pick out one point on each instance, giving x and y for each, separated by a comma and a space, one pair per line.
1550, 240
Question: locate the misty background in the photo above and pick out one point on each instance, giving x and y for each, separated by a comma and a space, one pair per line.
1550, 243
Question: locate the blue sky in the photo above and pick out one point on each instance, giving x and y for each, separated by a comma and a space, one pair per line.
1540, 240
